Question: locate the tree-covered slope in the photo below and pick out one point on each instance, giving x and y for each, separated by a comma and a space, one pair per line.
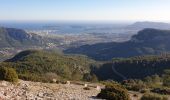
146, 42
134, 67
44, 65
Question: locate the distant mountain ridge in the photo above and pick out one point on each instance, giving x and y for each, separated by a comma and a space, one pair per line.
146, 42
14, 40
147, 24
11, 37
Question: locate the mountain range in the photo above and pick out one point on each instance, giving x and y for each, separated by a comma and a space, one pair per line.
146, 42
10, 37
36, 65
148, 24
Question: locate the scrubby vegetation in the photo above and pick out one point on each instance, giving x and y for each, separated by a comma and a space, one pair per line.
150, 96
144, 73
166, 78
134, 85
90, 77
38, 65
8, 74
153, 87
114, 91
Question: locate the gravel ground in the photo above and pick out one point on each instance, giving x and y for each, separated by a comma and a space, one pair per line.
26, 90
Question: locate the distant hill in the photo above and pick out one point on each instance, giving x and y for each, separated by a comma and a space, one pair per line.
147, 24
146, 42
38, 65
14, 40
10, 37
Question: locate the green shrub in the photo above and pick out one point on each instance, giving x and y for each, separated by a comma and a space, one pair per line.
90, 77
144, 91
166, 80
114, 92
134, 85
8, 74
163, 91
34, 78
150, 96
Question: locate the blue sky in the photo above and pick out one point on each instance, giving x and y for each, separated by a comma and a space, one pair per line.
103, 10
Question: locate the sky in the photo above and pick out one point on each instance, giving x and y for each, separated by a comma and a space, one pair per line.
85, 10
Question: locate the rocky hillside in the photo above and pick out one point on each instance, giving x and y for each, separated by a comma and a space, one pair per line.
146, 42
10, 37
14, 40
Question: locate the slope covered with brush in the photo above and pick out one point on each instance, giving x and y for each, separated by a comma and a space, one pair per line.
40, 65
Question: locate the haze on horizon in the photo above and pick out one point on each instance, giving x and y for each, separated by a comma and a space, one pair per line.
85, 10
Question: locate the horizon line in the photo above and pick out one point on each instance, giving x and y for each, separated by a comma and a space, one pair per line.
86, 21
